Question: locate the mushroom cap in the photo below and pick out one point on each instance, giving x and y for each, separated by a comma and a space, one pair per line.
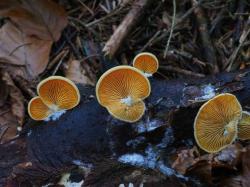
58, 93
244, 126
37, 109
130, 114
119, 83
146, 62
215, 125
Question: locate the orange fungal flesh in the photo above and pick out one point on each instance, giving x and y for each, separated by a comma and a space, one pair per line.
146, 62
244, 126
127, 113
120, 83
216, 123
121, 90
58, 93
38, 110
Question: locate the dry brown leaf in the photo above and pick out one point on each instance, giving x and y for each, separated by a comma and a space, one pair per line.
75, 72
26, 39
4, 92
230, 156
13, 111
243, 179
19, 49
16, 98
185, 159
246, 168
201, 170
41, 18
8, 124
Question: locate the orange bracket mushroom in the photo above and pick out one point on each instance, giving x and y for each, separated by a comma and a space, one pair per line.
215, 125
147, 63
56, 95
244, 126
122, 90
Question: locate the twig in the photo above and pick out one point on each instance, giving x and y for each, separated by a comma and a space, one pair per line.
177, 22
182, 71
72, 46
81, 23
60, 63
111, 14
232, 58
171, 30
128, 23
208, 48
150, 41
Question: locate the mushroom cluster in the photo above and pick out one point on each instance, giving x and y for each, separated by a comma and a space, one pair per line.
56, 94
219, 122
122, 89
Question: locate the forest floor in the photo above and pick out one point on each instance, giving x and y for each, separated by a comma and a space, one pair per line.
80, 39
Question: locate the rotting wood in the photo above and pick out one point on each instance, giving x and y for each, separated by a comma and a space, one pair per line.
94, 139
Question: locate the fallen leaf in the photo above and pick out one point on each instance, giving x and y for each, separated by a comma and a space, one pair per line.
4, 92
41, 18
242, 177
12, 113
201, 170
185, 159
26, 39
75, 72
18, 49
230, 156
246, 168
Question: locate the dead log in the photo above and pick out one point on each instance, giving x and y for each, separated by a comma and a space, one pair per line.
90, 137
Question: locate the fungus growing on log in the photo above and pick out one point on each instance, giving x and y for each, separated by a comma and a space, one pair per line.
147, 63
122, 90
56, 94
215, 125
244, 126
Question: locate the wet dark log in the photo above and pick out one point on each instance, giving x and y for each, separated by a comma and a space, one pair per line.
89, 137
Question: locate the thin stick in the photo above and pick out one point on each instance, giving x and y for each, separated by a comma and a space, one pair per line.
182, 71
208, 48
172, 29
243, 38
60, 63
150, 40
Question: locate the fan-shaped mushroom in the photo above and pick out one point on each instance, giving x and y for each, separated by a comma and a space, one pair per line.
244, 126
146, 62
37, 109
215, 125
122, 90
56, 94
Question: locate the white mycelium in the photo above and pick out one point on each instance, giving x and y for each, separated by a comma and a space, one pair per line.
128, 101
55, 116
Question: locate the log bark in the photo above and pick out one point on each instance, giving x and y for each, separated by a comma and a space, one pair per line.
89, 135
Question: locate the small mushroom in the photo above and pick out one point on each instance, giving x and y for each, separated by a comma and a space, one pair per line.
147, 63
56, 94
215, 125
37, 109
122, 90
244, 126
